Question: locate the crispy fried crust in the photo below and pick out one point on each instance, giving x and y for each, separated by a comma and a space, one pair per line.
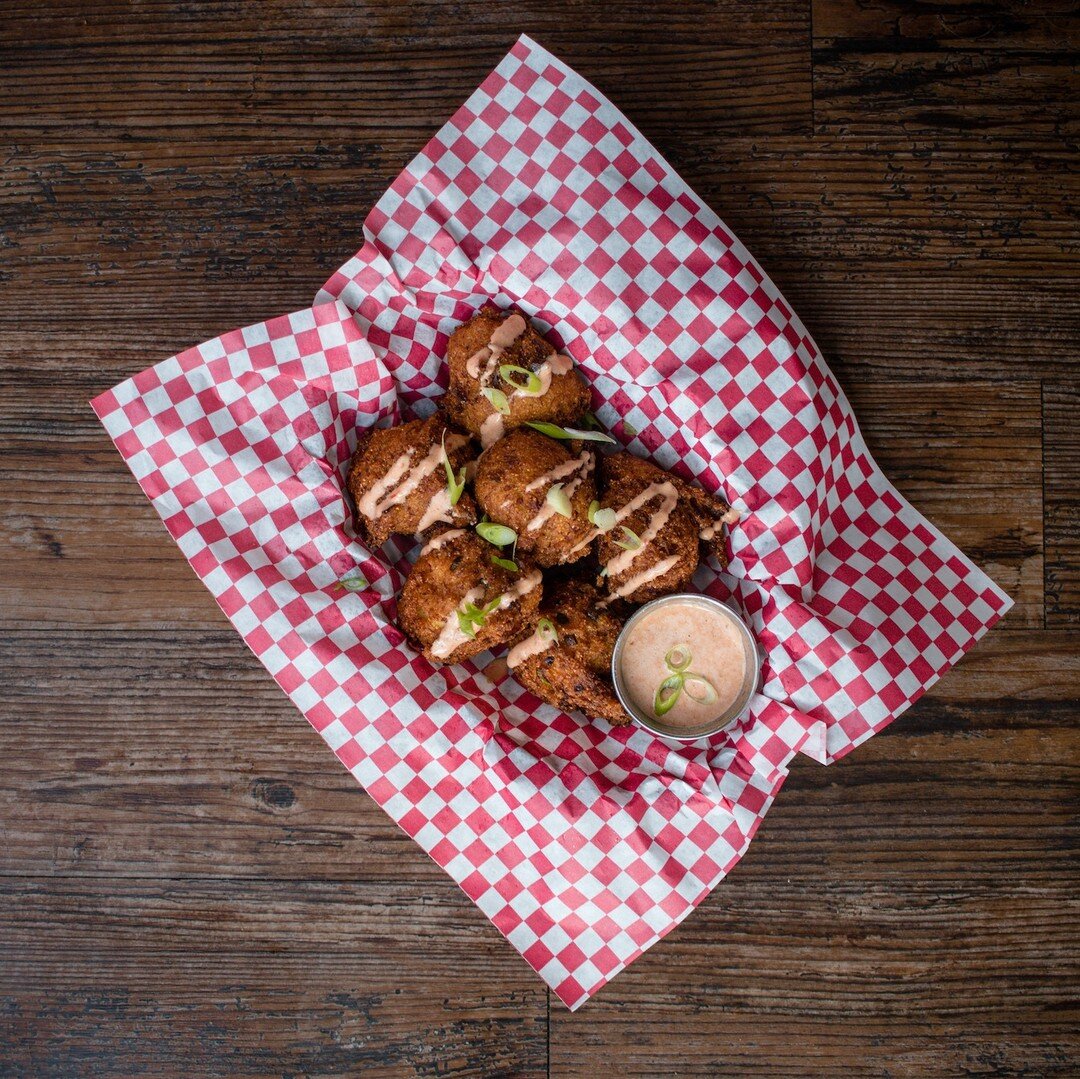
575, 674
565, 403
624, 477
504, 472
376, 455
708, 511
436, 587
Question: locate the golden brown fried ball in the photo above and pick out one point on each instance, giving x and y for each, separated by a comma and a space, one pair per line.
565, 402
398, 480
574, 674
512, 482
455, 569
631, 575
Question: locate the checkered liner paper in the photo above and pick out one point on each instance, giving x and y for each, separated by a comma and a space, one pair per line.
583, 844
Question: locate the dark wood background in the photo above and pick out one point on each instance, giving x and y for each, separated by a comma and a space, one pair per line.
908, 175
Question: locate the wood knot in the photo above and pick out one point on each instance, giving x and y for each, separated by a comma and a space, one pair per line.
274, 793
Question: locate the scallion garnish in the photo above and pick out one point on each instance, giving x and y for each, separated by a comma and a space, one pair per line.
505, 563
497, 399
667, 693
496, 534
558, 499
602, 520
631, 542
521, 378
454, 485
678, 659
356, 583
554, 431
546, 631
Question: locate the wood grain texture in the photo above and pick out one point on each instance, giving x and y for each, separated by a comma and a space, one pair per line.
907, 173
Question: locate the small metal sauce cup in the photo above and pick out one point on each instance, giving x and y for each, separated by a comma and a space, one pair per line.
737, 708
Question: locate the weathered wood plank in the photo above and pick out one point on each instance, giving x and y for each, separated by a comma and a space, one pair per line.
1006, 66
119, 977
1061, 402
177, 71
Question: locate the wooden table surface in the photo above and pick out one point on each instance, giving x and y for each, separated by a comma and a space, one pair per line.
908, 175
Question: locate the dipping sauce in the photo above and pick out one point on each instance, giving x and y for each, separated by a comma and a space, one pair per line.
685, 665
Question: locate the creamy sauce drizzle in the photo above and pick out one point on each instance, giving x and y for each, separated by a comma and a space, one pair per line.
441, 540
521, 587
452, 635
526, 649
553, 365
712, 530
491, 430
669, 495
375, 502
502, 337
632, 584
482, 364
439, 509
582, 465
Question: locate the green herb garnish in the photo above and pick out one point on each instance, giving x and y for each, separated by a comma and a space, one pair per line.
497, 399
356, 583
602, 520
454, 486
471, 617
505, 563
667, 693
521, 378
554, 431
495, 534
559, 500
697, 686
631, 542
546, 631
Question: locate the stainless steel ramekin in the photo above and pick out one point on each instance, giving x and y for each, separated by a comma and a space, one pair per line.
738, 706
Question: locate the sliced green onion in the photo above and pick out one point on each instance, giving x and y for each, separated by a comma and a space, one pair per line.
667, 693
558, 499
602, 520
629, 428
497, 535
510, 373
546, 631
591, 422
497, 399
490, 608
554, 431
604, 572
699, 688
356, 583
543, 678
505, 563
466, 623
454, 486
679, 658
632, 541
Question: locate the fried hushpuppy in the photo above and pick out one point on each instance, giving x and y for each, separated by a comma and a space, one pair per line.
572, 672
398, 479
478, 355
456, 602
655, 547
512, 482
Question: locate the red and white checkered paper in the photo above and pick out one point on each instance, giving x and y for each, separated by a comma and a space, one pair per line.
584, 844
